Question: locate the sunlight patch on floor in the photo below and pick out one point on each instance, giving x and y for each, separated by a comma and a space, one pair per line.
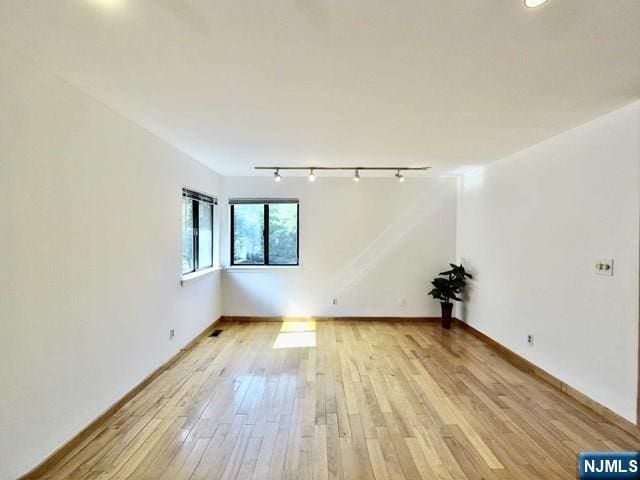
295, 340
296, 334
296, 326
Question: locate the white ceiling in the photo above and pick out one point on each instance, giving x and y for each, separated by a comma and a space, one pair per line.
238, 83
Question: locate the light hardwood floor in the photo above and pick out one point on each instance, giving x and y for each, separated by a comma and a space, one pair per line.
372, 399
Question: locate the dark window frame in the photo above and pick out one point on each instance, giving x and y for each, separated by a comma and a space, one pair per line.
265, 232
196, 199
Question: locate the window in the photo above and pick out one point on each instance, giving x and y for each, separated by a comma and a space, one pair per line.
264, 232
197, 231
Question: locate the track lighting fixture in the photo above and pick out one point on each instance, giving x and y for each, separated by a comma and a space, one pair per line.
356, 170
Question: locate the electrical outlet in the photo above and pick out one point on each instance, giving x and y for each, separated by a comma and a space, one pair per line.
335, 301
172, 333
530, 339
402, 302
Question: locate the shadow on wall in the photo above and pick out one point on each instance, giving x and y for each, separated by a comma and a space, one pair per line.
462, 308
265, 300
472, 177
386, 244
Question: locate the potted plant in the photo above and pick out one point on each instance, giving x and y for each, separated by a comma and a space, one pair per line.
446, 287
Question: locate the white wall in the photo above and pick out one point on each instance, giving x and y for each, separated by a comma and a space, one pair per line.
531, 227
368, 244
90, 260
90, 247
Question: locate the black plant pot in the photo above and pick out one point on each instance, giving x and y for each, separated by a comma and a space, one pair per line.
446, 314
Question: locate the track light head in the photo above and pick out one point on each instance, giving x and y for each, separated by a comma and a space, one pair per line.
312, 175
276, 175
356, 177
399, 176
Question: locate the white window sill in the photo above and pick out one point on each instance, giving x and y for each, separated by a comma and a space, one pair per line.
265, 268
189, 277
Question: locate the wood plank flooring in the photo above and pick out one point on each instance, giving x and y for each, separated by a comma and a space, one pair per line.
372, 400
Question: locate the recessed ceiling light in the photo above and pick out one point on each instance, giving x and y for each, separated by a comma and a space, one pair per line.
110, 4
534, 3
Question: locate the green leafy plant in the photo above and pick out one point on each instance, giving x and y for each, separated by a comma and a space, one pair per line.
450, 284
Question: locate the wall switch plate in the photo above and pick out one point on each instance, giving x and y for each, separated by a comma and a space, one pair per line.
172, 333
604, 266
530, 339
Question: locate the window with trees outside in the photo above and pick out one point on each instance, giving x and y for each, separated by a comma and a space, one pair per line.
197, 231
264, 232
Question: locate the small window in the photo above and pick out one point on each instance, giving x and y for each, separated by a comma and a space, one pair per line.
264, 232
197, 231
